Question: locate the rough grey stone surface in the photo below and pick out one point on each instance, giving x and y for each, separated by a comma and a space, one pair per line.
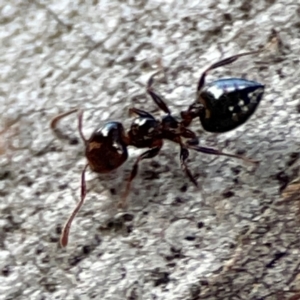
235, 239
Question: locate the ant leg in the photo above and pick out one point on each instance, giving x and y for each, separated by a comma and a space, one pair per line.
217, 152
148, 154
184, 154
140, 113
223, 62
156, 98
191, 136
66, 229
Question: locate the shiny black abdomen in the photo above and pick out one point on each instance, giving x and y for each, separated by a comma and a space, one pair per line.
228, 103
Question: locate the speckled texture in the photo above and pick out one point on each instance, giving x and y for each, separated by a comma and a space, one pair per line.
236, 239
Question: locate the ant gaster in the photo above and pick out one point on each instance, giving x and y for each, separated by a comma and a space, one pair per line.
221, 106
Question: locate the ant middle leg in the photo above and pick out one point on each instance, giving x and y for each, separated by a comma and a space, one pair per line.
156, 98
184, 154
217, 152
148, 154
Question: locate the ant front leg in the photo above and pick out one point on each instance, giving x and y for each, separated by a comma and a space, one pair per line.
156, 98
148, 154
66, 229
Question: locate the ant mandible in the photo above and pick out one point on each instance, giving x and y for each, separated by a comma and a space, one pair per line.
106, 149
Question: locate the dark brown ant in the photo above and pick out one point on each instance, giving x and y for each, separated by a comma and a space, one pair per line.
106, 149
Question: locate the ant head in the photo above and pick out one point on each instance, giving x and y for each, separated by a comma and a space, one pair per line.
106, 149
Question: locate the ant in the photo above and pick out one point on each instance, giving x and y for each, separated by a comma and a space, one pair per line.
221, 106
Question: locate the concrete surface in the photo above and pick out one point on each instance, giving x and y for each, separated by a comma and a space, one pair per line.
236, 239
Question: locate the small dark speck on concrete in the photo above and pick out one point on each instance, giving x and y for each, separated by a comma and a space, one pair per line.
63, 186
74, 260
236, 170
200, 224
39, 249
129, 229
127, 217
228, 194
269, 245
293, 158
232, 245
283, 179
183, 188
46, 259
86, 249
53, 239
227, 17
277, 257
236, 181
29, 182
175, 250
171, 264
114, 224
240, 152
113, 191
150, 175
204, 282
4, 174
37, 193
175, 254
5, 271
58, 229
190, 238
162, 278
177, 201
195, 291
154, 164
74, 141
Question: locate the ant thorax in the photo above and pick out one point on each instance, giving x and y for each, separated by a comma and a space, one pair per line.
171, 124
143, 131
